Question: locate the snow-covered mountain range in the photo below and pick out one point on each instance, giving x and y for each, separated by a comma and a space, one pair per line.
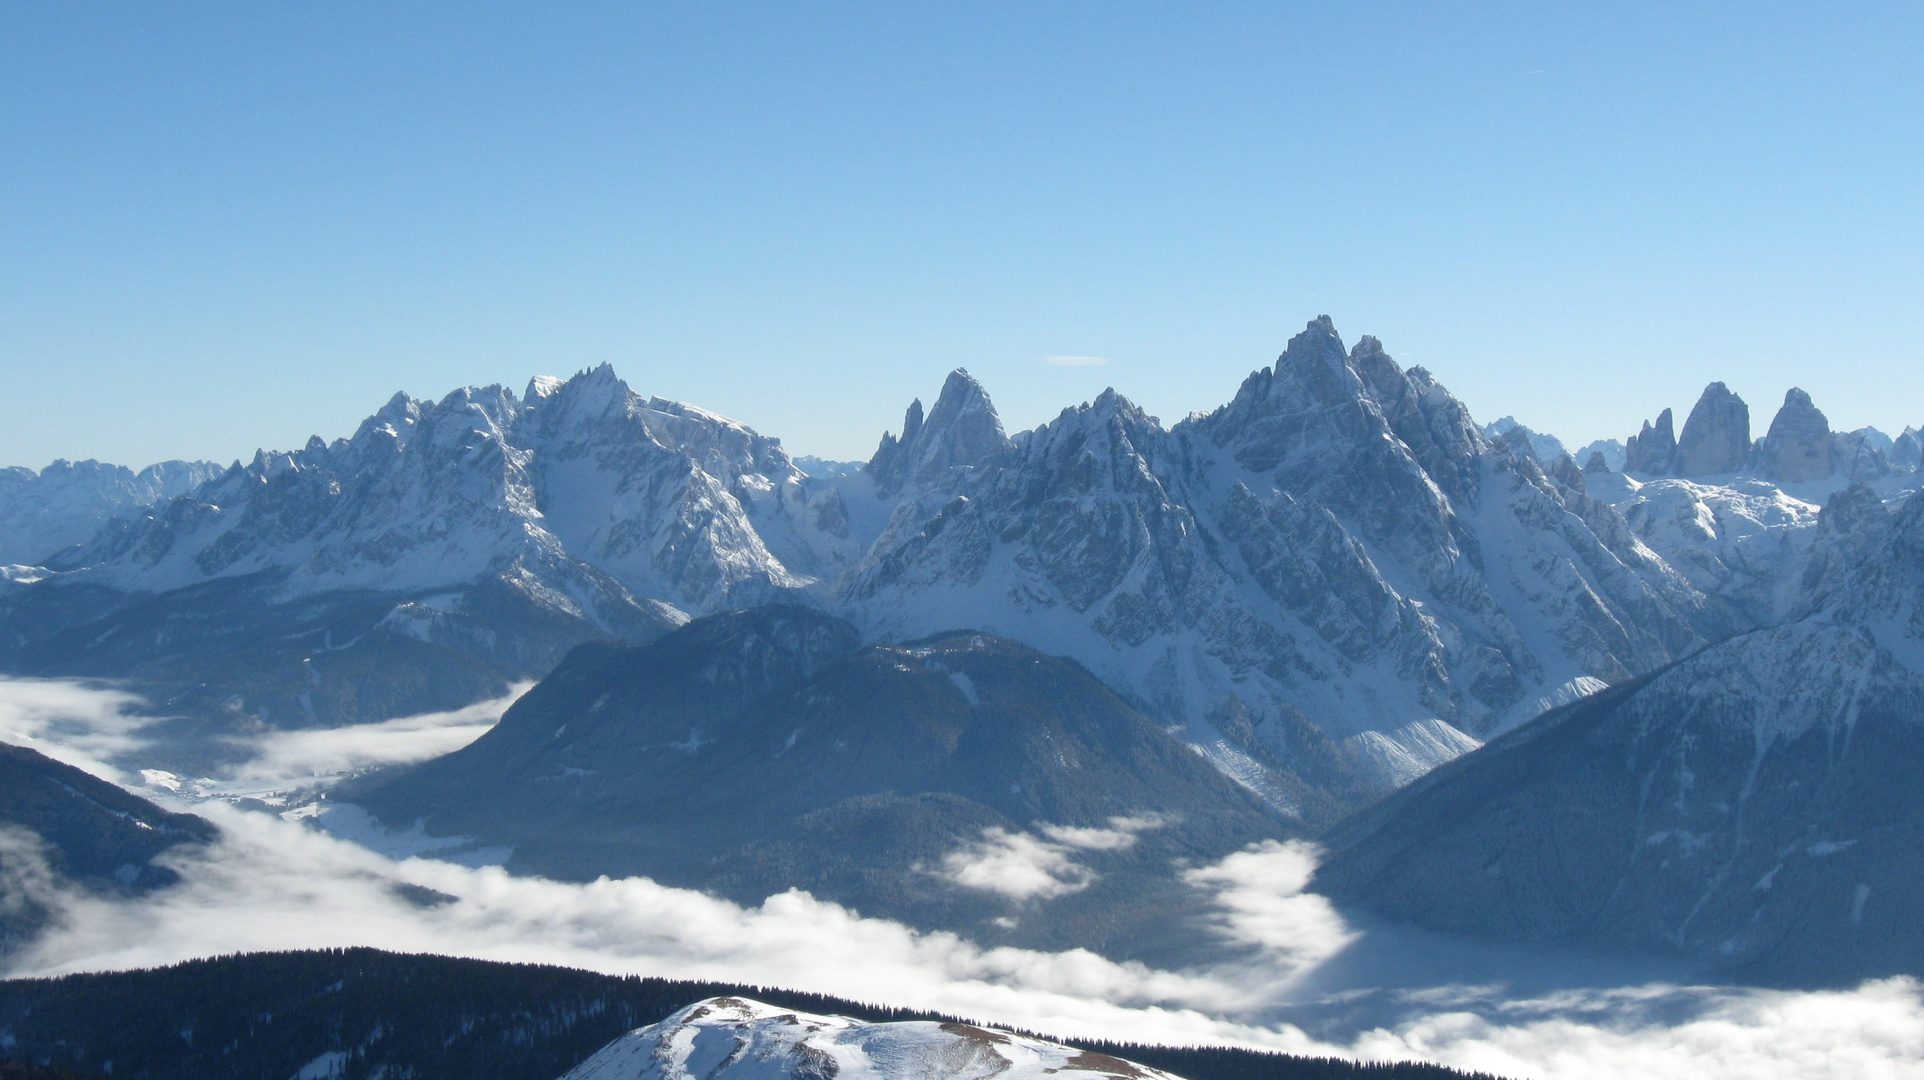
1340, 547
733, 1038
44, 513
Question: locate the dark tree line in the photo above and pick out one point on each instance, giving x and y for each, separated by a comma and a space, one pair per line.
266, 1016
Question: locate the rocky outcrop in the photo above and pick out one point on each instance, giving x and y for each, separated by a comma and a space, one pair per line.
1652, 451
1798, 445
1609, 449
962, 431
1716, 438
1860, 455
1907, 451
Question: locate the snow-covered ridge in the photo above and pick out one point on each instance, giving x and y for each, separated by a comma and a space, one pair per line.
738, 1039
64, 504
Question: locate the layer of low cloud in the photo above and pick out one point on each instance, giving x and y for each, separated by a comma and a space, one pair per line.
98, 727
271, 883
1023, 866
286, 758
87, 725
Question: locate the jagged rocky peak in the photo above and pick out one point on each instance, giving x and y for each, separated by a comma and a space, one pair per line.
1653, 450
1798, 446
1863, 566
1907, 450
962, 430
1609, 449
595, 414
1596, 465
1311, 398
1545, 448
1716, 438
1862, 455
1565, 473
64, 504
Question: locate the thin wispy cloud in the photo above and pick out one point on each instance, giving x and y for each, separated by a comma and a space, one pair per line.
1075, 361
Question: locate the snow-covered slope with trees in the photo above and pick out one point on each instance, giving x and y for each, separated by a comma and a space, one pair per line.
739, 1039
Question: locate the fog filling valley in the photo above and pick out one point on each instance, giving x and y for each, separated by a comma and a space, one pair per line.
1311, 979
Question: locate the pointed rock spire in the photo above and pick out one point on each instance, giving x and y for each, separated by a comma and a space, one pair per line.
961, 430
1798, 446
1716, 438
1653, 450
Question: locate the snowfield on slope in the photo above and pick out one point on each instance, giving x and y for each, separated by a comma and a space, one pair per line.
736, 1039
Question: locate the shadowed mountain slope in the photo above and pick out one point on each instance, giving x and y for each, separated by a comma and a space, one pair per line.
1760, 803
960, 782
59, 820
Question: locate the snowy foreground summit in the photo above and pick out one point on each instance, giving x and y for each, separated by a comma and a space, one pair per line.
729, 1038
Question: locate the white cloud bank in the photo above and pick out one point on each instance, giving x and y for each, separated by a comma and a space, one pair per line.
274, 884
1021, 866
95, 727
283, 758
86, 725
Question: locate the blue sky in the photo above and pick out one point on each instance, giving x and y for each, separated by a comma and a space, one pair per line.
231, 226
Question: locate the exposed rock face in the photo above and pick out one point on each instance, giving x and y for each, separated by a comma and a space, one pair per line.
1741, 543
962, 430
1760, 804
1652, 451
1907, 451
1596, 465
444, 551
1860, 455
1798, 445
1716, 438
